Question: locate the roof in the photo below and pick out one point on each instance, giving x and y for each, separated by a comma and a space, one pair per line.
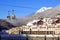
40, 22
57, 21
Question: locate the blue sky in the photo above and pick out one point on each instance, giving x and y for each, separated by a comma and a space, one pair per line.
24, 7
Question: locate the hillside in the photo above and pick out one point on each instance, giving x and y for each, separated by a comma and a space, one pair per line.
47, 13
5, 25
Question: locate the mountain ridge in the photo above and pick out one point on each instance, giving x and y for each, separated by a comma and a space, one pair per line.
48, 13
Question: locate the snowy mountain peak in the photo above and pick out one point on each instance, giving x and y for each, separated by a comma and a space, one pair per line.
43, 9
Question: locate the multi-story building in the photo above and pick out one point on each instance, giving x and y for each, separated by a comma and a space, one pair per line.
44, 26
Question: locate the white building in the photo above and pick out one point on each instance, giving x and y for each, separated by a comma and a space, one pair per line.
48, 20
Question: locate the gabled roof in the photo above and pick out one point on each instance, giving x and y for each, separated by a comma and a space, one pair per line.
40, 22
57, 21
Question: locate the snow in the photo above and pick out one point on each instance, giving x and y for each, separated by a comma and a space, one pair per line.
31, 23
43, 9
32, 35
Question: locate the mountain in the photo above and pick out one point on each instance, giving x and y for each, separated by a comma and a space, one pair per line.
42, 12
45, 12
49, 13
43, 9
17, 22
5, 25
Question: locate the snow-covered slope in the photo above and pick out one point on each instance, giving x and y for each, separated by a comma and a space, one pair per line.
43, 9
44, 12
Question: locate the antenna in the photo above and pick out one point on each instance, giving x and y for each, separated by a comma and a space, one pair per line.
8, 13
